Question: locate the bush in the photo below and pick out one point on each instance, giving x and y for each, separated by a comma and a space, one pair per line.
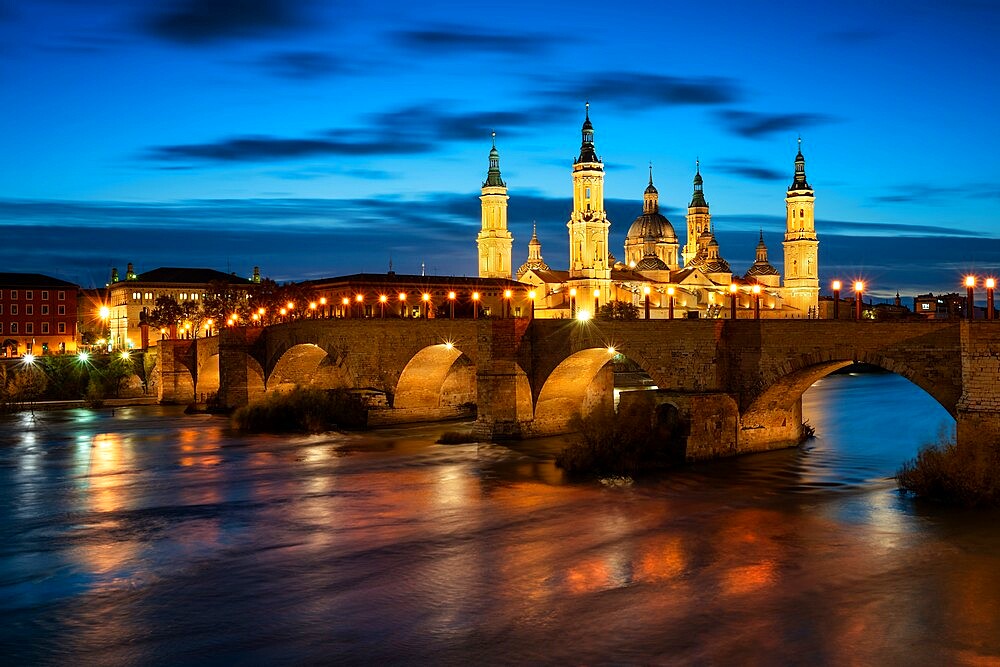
948, 473
627, 444
302, 411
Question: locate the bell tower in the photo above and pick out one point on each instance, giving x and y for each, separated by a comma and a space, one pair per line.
494, 241
699, 220
588, 223
801, 245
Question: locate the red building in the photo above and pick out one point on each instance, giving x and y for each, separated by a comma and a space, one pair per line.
37, 314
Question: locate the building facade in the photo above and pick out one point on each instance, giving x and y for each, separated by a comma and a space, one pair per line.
37, 315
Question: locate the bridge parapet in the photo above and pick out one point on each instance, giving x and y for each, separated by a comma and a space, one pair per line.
978, 413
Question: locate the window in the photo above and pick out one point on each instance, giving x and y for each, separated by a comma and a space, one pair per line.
136, 296
45, 295
45, 327
925, 306
13, 294
29, 310
29, 295
802, 213
62, 327
148, 296
45, 309
13, 309
62, 296
62, 310
29, 328
1, 309
13, 327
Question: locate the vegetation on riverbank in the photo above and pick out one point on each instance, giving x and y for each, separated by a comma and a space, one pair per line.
68, 378
302, 411
947, 473
627, 444
457, 438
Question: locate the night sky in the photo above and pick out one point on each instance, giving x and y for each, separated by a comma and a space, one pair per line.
324, 138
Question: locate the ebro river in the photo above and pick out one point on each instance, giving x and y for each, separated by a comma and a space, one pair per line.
144, 536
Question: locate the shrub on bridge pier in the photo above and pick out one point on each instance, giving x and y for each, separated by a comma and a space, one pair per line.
302, 411
949, 473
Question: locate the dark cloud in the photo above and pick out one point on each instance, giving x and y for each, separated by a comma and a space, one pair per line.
447, 40
753, 125
207, 21
935, 194
302, 65
636, 89
750, 170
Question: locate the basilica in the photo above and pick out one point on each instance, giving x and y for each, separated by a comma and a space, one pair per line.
658, 275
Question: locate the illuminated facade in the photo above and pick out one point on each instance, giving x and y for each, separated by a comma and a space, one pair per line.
495, 240
693, 280
37, 315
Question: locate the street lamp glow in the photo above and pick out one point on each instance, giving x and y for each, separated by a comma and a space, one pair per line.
313, 305
755, 289
448, 345
583, 315
990, 283
597, 292
859, 286
475, 296
28, 358
125, 355
83, 356
970, 281
322, 301
836, 285
451, 295
646, 290
359, 298
402, 296
104, 312
670, 291
572, 291
290, 305
733, 288
425, 296
611, 350
382, 298
531, 295
507, 294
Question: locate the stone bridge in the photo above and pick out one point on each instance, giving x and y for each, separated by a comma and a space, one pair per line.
736, 384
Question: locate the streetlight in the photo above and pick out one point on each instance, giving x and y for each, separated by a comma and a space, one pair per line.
597, 296
282, 312
312, 309
475, 305
670, 301
402, 304
531, 297
756, 300
572, 302
733, 289
645, 298
427, 304
990, 284
382, 300
360, 298
451, 303
290, 306
859, 288
836, 299
507, 294
83, 357
322, 303
970, 286
346, 303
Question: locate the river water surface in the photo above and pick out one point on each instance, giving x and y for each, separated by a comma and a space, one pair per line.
144, 536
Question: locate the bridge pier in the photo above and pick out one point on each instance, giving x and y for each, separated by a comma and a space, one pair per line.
504, 405
175, 358
978, 412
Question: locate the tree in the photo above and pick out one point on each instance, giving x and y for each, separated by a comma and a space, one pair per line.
618, 310
223, 299
166, 312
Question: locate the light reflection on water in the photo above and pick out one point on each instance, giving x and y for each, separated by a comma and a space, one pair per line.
151, 537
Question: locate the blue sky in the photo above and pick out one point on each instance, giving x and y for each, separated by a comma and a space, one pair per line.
317, 138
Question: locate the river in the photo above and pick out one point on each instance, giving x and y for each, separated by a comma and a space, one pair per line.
144, 536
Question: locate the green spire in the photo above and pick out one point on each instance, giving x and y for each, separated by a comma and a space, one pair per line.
698, 198
493, 175
800, 182
587, 151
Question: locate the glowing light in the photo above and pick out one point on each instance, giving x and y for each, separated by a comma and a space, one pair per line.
572, 291
475, 296
345, 301
611, 350
836, 285
125, 355
646, 290
448, 345
283, 311
104, 312
261, 311
210, 322
671, 291
970, 281
859, 286
583, 315
322, 301
451, 295
28, 358
733, 288
507, 294
531, 295
755, 289
631, 264
990, 283
402, 296
425, 296
313, 305
359, 298
234, 317
597, 292
382, 298
290, 305
83, 356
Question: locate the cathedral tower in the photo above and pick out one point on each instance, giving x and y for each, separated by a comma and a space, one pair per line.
801, 245
699, 220
494, 240
588, 223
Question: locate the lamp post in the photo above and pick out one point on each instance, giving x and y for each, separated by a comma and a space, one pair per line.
291, 306
260, 314
426, 298
531, 299
451, 304
507, 294
733, 290
670, 308
382, 300
360, 298
322, 303
475, 305
346, 307
756, 301
402, 304
859, 288
597, 301
572, 302
312, 309
970, 286
990, 285
836, 299
645, 298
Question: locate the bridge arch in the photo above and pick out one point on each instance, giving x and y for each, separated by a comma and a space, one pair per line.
208, 376
582, 383
307, 365
436, 376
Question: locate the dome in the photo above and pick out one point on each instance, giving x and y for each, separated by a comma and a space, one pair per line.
716, 266
762, 269
654, 225
651, 263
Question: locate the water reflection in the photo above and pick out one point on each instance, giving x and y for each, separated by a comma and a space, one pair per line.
150, 537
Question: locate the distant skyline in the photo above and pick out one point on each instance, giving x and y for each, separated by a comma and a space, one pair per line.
317, 138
